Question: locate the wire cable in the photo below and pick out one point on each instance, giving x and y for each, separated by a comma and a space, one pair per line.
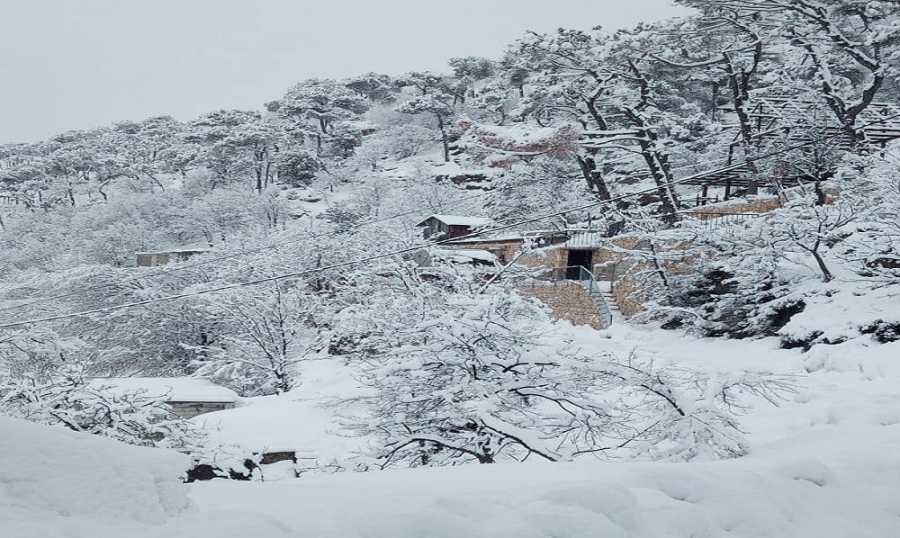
107, 310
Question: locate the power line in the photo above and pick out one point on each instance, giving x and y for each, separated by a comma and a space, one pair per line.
275, 246
284, 276
208, 261
107, 310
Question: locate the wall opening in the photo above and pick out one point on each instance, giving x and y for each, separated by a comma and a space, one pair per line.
578, 258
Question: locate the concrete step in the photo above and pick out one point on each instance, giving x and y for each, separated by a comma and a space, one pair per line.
610, 300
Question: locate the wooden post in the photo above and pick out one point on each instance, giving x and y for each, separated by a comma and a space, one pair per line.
705, 193
727, 188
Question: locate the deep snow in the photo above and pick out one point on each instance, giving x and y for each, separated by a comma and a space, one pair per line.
824, 463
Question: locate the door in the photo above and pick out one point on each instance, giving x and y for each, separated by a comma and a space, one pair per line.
578, 258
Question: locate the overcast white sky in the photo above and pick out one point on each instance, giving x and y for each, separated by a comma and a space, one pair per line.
74, 64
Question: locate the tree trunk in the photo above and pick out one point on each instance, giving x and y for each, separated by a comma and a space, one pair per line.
444, 140
593, 177
827, 276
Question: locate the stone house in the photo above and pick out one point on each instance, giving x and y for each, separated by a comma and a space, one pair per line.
566, 260
188, 396
450, 226
154, 259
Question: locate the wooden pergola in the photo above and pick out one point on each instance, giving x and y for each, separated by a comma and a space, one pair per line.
795, 121
791, 118
738, 178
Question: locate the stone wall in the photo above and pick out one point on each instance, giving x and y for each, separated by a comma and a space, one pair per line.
154, 259
545, 258
760, 204
505, 250
568, 301
192, 409
627, 271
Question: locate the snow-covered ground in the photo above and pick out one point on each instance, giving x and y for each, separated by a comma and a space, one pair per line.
58, 483
824, 463
843, 489
311, 420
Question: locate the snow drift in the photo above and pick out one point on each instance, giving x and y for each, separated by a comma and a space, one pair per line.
781, 492
58, 483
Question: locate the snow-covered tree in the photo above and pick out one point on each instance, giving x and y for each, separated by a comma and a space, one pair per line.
265, 333
462, 373
440, 108
67, 397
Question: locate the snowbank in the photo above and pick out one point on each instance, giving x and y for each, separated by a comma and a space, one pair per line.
57, 483
783, 492
840, 311
825, 463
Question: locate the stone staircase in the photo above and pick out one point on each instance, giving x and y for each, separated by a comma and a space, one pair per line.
604, 290
581, 301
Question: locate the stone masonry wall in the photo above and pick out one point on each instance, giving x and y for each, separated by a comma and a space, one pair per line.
568, 301
504, 250
762, 204
622, 270
192, 409
546, 258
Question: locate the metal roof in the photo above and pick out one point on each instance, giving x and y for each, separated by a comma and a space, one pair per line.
459, 220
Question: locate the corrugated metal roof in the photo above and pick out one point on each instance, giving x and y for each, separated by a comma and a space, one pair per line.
459, 220
586, 240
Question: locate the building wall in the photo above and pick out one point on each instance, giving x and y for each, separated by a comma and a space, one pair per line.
568, 301
192, 409
458, 231
764, 204
547, 258
504, 250
433, 227
153, 259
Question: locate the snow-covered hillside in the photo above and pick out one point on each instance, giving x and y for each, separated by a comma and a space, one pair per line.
636, 283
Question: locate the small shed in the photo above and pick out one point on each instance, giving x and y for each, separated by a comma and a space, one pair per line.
188, 396
162, 257
451, 226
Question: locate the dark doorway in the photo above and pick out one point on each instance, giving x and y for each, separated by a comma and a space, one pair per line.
578, 258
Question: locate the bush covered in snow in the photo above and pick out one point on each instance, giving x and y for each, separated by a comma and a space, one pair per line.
464, 373
67, 397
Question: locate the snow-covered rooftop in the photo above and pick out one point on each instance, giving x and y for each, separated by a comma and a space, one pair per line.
458, 220
174, 389
586, 240
176, 251
465, 256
